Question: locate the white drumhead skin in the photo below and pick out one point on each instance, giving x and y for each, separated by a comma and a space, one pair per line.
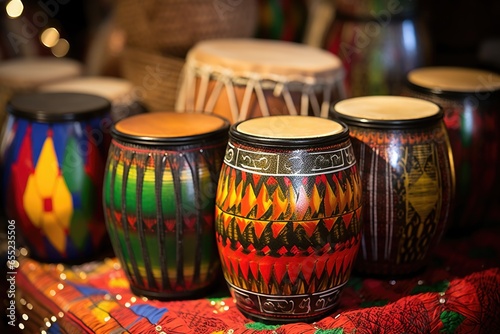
455, 79
290, 127
386, 108
110, 88
265, 57
33, 72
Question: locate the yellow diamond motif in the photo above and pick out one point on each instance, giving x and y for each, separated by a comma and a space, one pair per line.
53, 231
47, 169
47, 200
33, 203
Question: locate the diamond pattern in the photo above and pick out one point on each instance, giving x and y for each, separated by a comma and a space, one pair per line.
45, 185
294, 234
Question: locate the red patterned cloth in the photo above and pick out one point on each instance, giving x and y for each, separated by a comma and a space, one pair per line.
458, 293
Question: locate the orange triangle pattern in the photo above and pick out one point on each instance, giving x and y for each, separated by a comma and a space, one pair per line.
288, 198
301, 273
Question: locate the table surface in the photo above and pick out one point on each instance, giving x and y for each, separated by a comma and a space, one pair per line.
459, 292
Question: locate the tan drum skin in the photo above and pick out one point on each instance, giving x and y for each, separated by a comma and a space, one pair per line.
120, 92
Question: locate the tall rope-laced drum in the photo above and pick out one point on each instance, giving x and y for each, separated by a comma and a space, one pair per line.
247, 78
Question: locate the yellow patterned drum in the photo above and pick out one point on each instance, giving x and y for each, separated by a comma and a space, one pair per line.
406, 167
470, 99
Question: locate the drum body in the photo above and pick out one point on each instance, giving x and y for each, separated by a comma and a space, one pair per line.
377, 53
373, 9
159, 194
288, 212
120, 92
53, 155
470, 99
406, 166
246, 78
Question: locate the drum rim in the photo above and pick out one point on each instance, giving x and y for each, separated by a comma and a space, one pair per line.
390, 124
100, 107
454, 94
289, 143
216, 135
449, 94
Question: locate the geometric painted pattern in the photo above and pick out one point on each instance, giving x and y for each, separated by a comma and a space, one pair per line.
285, 239
53, 178
475, 142
159, 209
408, 179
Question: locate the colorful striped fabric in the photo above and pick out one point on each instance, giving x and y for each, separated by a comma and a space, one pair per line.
458, 293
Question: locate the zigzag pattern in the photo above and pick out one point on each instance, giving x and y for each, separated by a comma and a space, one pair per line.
288, 235
288, 198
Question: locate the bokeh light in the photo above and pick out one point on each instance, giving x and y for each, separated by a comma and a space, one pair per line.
61, 48
50, 37
14, 8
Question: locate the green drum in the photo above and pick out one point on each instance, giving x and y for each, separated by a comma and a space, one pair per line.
159, 194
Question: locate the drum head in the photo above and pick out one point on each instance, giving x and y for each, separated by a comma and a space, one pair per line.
289, 131
454, 80
113, 89
265, 57
57, 107
387, 111
32, 72
170, 128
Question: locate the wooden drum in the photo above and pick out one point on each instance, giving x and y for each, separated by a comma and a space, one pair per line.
288, 216
53, 155
159, 200
405, 163
247, 78
470, 99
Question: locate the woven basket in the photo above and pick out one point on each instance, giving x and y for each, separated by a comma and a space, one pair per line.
173, 26
154, 76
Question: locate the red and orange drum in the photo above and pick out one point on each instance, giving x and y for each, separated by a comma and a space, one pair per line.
288, 216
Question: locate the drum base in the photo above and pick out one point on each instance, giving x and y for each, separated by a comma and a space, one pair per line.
282, 321
101, 253
175, 295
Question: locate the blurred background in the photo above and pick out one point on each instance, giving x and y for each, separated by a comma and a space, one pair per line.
104, 34
146, 42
